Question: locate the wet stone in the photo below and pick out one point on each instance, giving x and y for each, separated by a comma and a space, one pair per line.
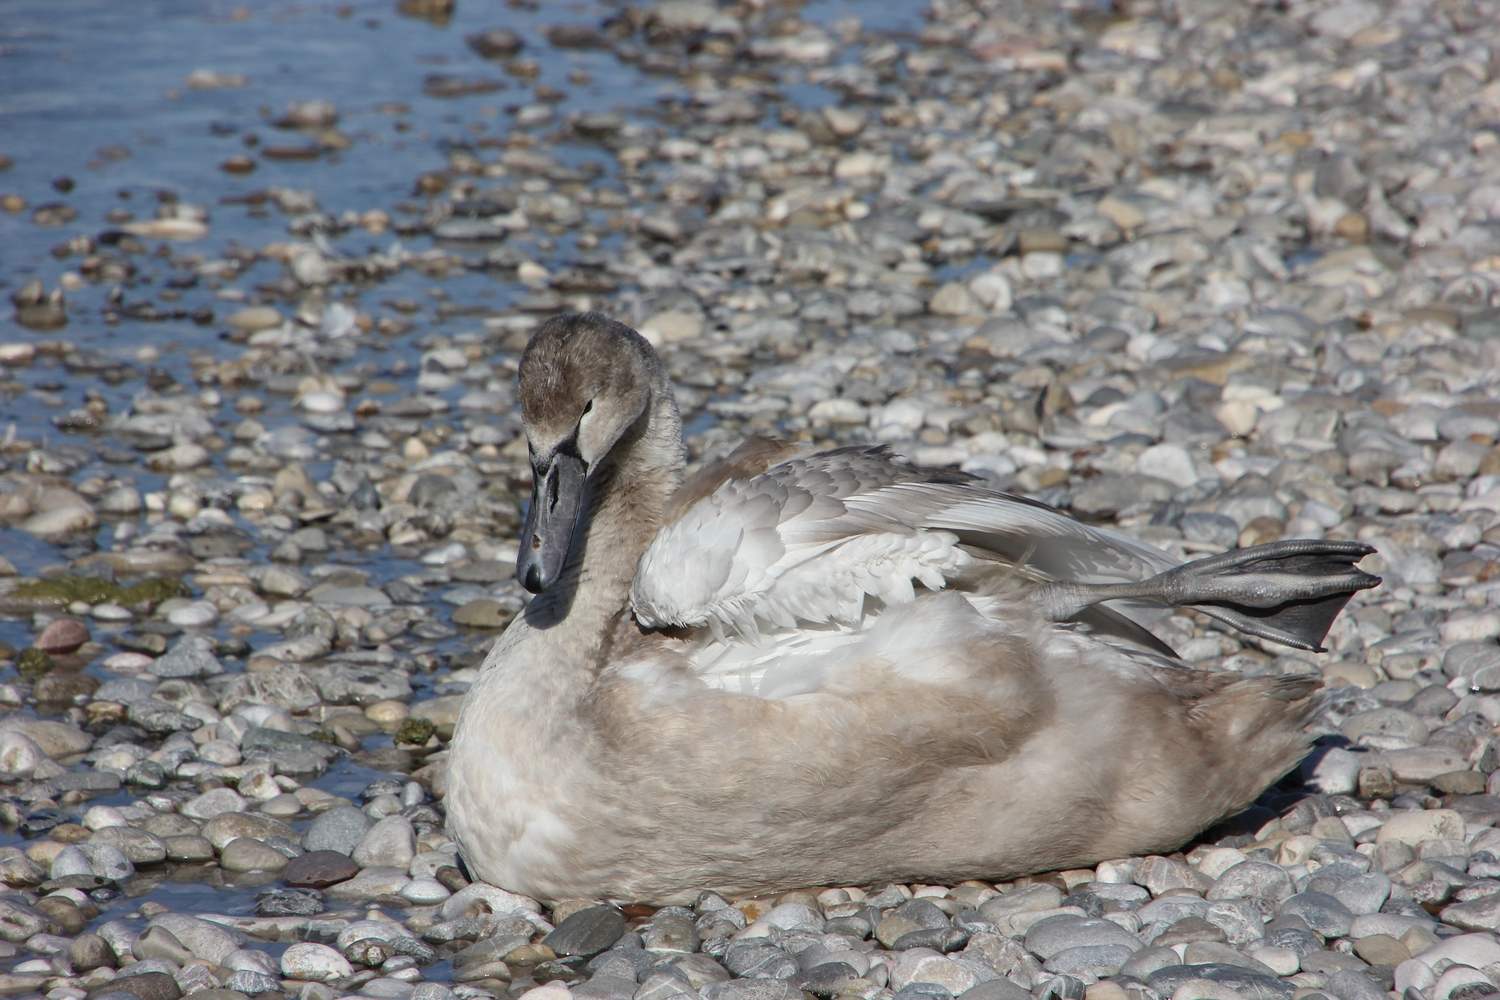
142, 986
827, 980
936, 938
203, 938
587, 932
314, 962
996, 989
190, 657
1052, 935
1241, 982
90, 951
751, 989
391, 759
288, 903
160, 943
246, 855
188, 848
318, 869
489, 949
671, 932
226, 827
369, 884
137, 845
338, 830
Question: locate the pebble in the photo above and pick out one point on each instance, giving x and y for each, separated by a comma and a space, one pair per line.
391, 841
318, 869
138, 846
340, 829
246, 855
315, 963
228, 826
1057, 934
587, 932
425, 891
213, 803
62, 636
1413, 828
204, 939
147, 985
253, 319
19, 754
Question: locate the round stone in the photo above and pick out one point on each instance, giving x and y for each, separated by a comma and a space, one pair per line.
246, 855
320, 869
425, 891
62, 636
213, 803
314, 963
197, 614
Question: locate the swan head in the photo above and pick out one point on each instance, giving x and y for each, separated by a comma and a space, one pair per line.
586, 381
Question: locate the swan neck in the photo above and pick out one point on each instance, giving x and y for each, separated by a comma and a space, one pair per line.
625, 501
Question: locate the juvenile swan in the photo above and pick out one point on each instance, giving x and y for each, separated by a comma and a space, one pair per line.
809, 669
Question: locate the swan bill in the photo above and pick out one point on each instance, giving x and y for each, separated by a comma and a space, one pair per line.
556, 498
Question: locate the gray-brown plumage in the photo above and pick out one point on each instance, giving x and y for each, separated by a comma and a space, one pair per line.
835, 669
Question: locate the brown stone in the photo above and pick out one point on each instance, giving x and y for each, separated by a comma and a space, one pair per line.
392, 759
89, 952
71, 833
145, 986
1381, 949
1187, 931
68, 916
1038, 240
319, 869
61, 686
1353, 227
1459, 783
63, 636
482, 614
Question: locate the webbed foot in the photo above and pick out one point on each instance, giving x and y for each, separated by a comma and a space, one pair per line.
1289, 591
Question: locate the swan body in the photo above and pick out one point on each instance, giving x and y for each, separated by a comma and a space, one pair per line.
809, 669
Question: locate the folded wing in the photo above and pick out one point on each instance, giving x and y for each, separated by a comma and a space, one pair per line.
808, 540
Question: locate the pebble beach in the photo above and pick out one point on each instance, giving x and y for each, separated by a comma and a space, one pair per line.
1210, 273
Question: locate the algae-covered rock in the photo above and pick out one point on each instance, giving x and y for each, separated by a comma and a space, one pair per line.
65, 589
152, 591
34, 663
414, 732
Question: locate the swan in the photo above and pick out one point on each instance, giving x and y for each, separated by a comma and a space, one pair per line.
802, 669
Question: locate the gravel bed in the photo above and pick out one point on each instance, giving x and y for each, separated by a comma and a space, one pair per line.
1214, 273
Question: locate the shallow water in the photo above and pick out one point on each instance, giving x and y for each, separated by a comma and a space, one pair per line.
98, 116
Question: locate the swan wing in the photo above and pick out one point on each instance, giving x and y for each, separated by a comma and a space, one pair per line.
807, 540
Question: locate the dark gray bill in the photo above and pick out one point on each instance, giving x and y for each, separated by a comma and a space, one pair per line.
556, 495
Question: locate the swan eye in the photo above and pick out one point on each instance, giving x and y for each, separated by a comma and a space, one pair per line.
587, 409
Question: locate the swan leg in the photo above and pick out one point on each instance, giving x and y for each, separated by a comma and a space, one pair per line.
1288, 591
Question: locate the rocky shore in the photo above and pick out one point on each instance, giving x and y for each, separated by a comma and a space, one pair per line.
1214, 273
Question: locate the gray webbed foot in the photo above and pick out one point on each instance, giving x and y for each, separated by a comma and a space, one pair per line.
1289, 592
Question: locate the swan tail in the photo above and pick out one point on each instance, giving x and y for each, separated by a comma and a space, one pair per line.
1259, 727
